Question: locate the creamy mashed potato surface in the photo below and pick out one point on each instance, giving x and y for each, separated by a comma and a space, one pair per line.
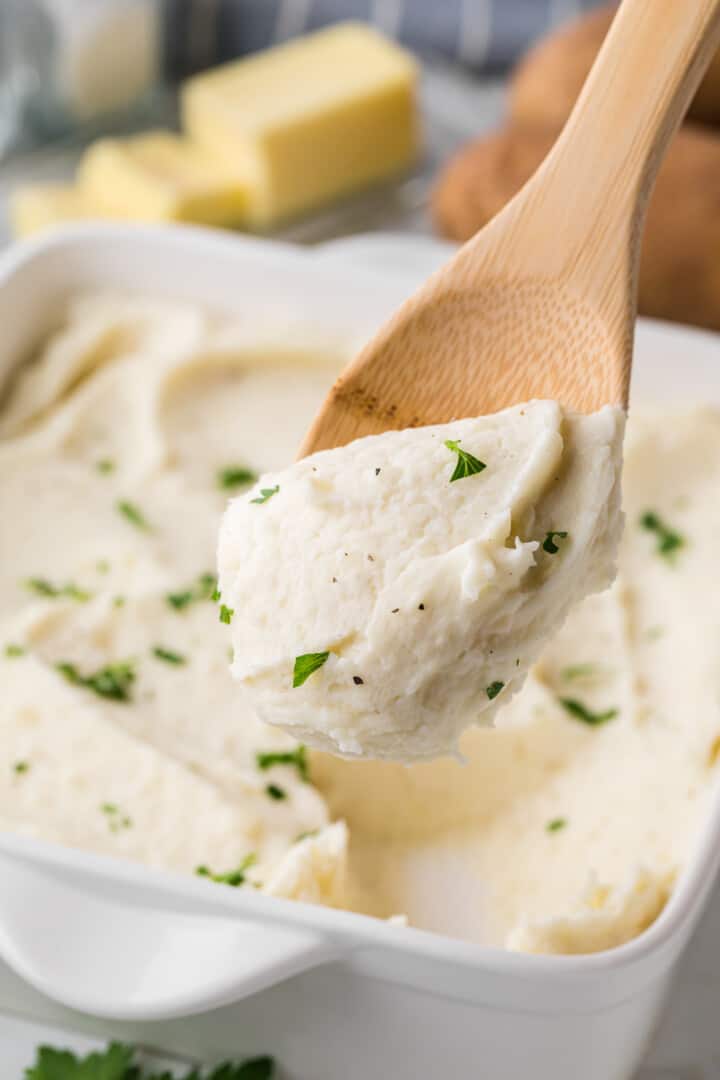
123, 732
423, 569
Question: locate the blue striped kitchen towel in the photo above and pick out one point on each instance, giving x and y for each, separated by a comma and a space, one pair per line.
487, 35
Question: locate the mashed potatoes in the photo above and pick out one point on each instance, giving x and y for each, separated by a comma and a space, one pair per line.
123, 732
422, 569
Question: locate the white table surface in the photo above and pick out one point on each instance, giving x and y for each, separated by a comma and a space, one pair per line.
687, 1046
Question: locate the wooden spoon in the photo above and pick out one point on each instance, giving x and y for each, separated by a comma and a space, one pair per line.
541, 302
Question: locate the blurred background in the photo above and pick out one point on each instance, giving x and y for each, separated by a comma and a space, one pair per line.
99, 118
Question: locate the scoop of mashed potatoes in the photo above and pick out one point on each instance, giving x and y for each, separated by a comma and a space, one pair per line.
385, 595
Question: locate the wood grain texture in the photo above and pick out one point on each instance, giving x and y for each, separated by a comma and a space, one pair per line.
542, 302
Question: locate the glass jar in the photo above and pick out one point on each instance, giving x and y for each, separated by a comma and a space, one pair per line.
68, 63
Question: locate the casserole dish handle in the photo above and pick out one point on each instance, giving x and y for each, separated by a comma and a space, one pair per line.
122, 961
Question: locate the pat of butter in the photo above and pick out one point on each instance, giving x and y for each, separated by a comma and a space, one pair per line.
40, 206
161, 177
311, 120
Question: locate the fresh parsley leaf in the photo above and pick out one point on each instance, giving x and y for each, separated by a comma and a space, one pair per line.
43, 587
113, 682
226, 614
556, 824
586, 716
306, 664
265, 494
21, 767
494, 689
133, 514
669, 541
115, 1063
276, 792
296, 757
202, 589
233, 476
119, 1062
105, 466
168, 656
549, 544
466, 464
230, 877
13, 651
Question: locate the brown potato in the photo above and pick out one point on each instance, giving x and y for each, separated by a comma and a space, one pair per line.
546, 83
680, 266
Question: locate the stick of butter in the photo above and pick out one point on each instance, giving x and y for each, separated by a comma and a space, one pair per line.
39, 206
161, 177
309, 120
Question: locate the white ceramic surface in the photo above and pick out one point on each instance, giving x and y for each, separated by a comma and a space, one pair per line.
113, 939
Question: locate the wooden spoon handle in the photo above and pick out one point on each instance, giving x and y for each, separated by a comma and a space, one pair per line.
595, 183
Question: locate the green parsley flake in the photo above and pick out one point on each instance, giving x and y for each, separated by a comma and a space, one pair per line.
118, 601
115, 818
556, 824
586, 716
105, 466
203, 589
13, 651
578, 671
21, 767
276, 792
466, 464
102, 566
226, 614
297, 758
494, 689
113, 682
43, 587
168, 656
306, 664
233, 476
120, 1062
669, 541
265, 494
549, 544
231, 877
133, 514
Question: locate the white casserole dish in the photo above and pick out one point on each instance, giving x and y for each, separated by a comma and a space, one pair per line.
332, 994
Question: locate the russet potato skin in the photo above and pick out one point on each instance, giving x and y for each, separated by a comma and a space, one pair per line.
547, 81
680, 264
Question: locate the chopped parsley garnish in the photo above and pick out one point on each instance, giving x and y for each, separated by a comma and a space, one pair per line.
43, 587
276, 792
231, 877
120, 1062
215, 595
204, 588
233, 476
21, 767
306, 665
265, 494
102, 566
105, 466
578, 671
133, 514
494, 689
466, 464
306, 835
226, 614
169, 656
115, 817
549, 544
297, 757
556, 824
113, 682
669, 541
13, 651
118, 601
586, 716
